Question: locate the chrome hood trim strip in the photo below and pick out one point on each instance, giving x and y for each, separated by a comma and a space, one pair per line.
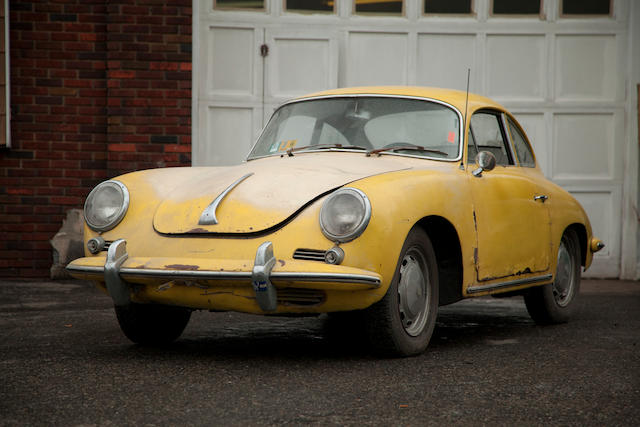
208, 216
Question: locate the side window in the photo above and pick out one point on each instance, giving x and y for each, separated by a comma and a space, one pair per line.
523, 150
486, 131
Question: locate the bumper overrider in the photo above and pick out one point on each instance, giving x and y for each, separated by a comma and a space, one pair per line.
123, 274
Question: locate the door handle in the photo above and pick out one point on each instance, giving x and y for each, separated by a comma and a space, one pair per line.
542, 197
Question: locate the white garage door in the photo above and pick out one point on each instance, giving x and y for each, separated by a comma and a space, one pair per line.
560, 68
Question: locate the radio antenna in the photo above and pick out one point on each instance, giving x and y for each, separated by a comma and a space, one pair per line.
466, 102
470, 133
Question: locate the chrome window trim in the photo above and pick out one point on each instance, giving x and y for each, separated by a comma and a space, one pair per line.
507, 135
121, 213
369, 95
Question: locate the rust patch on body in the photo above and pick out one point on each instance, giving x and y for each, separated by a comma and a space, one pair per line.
198, 230
164, 287
182, 267
281, 261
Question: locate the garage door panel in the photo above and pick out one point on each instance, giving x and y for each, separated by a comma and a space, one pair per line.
584, 146
299, 65
376, 59
587, 68
230, 62
229, 133
436, 66
604, 218
516, 67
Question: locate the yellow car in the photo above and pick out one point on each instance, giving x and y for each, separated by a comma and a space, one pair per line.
373, 204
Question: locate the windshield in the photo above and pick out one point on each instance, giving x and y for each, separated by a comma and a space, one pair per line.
385, 124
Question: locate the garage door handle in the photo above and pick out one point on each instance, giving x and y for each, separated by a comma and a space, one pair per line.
542, 197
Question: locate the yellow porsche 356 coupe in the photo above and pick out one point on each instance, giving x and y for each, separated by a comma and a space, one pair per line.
372, 203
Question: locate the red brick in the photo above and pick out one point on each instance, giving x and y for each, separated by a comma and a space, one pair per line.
176, 148
88, 37
122, 147
121, 74
64, 37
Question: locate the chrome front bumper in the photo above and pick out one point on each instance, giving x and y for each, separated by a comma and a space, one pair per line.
260, 277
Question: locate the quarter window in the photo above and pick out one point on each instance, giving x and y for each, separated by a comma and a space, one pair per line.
523, 150
486, 134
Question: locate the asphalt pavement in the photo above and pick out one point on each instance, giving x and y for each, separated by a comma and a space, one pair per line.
64, 361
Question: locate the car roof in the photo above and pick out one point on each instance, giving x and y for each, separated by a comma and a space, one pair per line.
456, 98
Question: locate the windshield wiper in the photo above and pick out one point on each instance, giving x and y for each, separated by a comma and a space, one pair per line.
324, 146
406, 147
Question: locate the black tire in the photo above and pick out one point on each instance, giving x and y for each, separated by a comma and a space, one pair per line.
401, 324
152, 324
556, 302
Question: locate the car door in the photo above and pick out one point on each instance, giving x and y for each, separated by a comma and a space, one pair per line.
512, 221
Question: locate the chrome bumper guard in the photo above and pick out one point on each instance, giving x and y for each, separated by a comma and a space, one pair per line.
118, 288
260, 276
266, 293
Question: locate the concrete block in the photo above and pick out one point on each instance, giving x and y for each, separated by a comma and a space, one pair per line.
67, 243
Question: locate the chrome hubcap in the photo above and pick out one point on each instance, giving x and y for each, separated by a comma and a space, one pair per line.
563, 286
413, 293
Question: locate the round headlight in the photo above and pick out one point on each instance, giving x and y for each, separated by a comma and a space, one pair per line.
345, 214
106, 205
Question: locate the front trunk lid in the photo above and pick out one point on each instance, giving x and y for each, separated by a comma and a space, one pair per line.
273, 190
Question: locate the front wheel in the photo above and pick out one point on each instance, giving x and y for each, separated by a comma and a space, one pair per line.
152, 324
555, 303
401, 324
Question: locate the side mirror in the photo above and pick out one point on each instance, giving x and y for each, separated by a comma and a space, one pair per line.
486, 161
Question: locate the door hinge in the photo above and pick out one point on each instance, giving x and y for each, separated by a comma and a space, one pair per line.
264, 50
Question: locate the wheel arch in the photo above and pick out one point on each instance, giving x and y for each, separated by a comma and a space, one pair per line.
581, 232
446, 245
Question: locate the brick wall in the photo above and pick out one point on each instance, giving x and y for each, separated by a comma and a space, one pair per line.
98, 88
149, 84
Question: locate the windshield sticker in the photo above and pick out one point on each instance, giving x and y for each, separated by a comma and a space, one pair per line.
282, 145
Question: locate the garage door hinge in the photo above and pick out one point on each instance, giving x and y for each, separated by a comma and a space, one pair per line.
264, 50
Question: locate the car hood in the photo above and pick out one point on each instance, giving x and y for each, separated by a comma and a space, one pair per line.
277, 189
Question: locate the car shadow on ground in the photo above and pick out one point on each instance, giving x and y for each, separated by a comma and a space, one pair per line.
241, 336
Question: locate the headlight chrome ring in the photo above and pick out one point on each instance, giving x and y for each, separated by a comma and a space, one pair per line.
106, 205
345, 214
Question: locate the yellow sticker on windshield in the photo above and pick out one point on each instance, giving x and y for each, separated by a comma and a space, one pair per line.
285, 145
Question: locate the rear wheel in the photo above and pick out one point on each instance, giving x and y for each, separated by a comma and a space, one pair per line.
401, 324
556, 302
152, 324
